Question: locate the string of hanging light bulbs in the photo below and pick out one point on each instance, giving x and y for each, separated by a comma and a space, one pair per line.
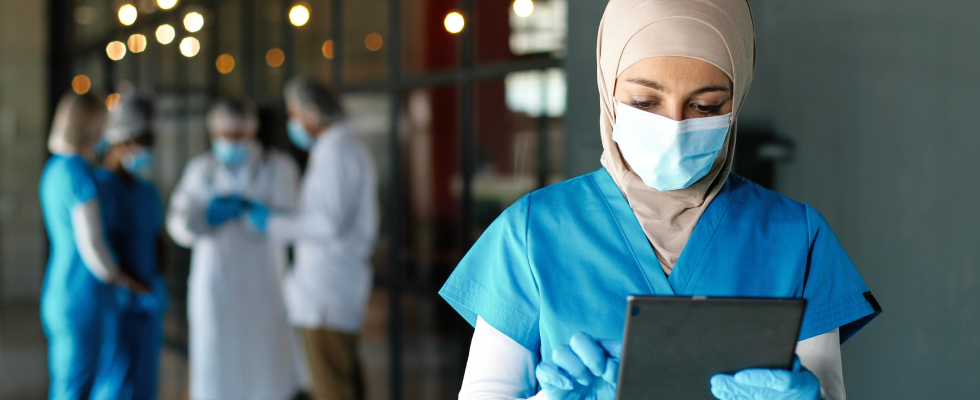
299, 15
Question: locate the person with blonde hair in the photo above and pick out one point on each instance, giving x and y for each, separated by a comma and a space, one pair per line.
78, 300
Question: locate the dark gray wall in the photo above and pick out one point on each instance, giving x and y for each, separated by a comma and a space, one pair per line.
879, 98
23, 134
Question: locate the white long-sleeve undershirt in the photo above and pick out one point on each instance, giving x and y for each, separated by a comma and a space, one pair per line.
499, 368
86, 219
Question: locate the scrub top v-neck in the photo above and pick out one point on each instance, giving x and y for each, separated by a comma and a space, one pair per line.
564, 259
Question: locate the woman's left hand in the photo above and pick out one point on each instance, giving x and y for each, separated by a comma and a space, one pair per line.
767, 384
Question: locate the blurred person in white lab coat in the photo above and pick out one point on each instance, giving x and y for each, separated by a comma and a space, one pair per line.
240, 343
333, 230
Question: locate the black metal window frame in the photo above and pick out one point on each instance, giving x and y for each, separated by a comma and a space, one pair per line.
396, 84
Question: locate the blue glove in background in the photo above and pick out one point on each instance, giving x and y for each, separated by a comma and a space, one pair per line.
767, 384
584, 369
258, 215
222, 209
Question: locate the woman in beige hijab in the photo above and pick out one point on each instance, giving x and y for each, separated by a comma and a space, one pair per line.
664, 216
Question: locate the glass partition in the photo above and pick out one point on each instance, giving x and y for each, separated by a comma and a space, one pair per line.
468, 136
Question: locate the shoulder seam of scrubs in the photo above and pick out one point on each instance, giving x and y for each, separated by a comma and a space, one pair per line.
731, 193
622, 232
527, 230
809, 251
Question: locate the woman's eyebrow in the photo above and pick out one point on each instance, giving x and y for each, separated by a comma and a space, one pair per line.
656, 86
648, 83
709, 89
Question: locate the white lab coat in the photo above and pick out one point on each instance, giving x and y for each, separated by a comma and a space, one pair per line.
240, 343
333, 229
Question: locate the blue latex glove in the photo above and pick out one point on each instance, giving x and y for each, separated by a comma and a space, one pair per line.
767, 384
223, 209
584, 369
258, 215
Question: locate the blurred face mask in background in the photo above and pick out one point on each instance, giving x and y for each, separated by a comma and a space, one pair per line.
229, 152
138, 161
668, 154
298, 134
101, 147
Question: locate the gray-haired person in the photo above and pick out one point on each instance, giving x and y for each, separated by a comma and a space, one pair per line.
333, 230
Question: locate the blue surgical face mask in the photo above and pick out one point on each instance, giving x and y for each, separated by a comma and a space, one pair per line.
668, 154
138, 161
298, 134
101, 147
228, 152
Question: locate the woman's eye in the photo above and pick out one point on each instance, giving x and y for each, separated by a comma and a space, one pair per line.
706, 109
642, 104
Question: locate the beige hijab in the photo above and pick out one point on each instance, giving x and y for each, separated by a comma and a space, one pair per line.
719, 32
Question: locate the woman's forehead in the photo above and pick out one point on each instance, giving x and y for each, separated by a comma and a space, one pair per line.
662, 72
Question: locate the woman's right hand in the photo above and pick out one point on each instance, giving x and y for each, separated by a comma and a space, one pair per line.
222, 209
584, 369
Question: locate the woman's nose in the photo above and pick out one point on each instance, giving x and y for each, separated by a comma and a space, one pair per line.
674, 112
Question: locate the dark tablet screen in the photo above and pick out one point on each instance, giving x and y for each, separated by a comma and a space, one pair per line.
673, 345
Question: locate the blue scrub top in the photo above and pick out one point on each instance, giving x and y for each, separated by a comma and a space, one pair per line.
563, 259
70, 289
133, 221
133, 217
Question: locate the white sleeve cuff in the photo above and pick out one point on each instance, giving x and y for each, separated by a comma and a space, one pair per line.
86, 221
821, 355
498, 367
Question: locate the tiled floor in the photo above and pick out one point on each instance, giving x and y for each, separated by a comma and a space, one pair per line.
23, 368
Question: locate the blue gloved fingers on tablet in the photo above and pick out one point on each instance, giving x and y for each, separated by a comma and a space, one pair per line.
613, 347
612, 372
558, 384
766, 384
566, 358
572, 371
588, 350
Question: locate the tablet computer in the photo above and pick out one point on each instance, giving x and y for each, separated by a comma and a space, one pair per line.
672, 346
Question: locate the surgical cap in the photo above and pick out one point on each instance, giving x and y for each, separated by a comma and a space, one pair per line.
130, 120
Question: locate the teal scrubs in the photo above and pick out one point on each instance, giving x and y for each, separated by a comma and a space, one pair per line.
134, 220
563, 259
75, 306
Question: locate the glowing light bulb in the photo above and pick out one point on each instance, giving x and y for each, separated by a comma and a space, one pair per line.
127, 14
299, 15
136, 43
189, 47
81, 84
454, 22
328, 49
116, 50
166, 4
193, 21
166, 34
523, 8
112, 101
275, 58
225, 63
373, 41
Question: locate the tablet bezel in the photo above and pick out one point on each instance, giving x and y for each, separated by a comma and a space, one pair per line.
794, 307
